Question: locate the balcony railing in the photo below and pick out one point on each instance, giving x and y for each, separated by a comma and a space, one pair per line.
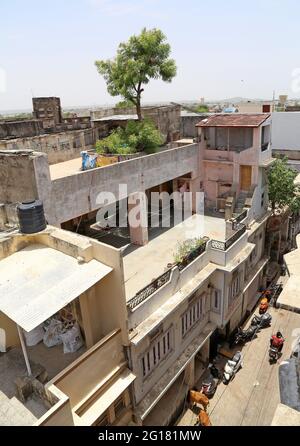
223, 246
144, 293
160, 281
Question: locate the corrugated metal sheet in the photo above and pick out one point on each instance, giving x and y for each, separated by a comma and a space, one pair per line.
235, 120
38, 281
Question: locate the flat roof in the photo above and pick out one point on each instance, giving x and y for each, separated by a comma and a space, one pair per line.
235, 120
37, 281
289, 297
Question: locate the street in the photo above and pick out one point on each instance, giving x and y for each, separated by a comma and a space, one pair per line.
252, 397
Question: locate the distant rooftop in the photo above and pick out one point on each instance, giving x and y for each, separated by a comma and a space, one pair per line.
118, 118
235, 120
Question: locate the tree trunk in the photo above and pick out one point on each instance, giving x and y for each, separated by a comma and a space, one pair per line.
139, 109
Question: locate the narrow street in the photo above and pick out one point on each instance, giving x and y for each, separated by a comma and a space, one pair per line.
252, 397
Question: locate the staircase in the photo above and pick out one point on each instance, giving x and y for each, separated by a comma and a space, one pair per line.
240, 203
14, 413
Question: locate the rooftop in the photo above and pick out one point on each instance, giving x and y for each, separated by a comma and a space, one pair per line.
38, 281
148, 262
290, 298
235, 120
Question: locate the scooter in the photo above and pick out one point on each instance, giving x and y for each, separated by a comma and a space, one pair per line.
243, 336
231, 367
262, 321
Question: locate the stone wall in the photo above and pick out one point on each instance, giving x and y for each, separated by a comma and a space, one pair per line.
166, 118
58, 147
18, 129
188, 127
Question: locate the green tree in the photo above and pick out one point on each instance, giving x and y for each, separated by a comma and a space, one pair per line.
201, 108
135, 137
142, 58
282, 188
124, 104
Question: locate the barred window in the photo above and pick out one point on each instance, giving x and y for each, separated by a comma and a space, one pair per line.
157, 353
193, 315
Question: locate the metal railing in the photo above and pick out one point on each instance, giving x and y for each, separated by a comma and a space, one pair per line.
145, 292
223, 246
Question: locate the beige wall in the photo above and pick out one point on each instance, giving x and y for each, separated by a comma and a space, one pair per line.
92, 368
11, 332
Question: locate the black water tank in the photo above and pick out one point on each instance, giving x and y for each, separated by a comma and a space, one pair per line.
31, 217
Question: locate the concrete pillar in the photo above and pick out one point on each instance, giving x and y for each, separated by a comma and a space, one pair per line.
138, 218
189, 374
194, 188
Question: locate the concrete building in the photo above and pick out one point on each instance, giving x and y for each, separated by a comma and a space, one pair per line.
285, 136
73, 279
255, 107
172, 312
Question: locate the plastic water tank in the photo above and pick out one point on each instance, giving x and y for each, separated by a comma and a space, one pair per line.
31, 217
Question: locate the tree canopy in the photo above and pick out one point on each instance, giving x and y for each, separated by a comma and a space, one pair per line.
142, 58
282, 188
135, 137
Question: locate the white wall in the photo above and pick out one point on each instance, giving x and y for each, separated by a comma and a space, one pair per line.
286, 131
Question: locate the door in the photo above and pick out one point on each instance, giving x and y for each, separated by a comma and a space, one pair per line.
245, 177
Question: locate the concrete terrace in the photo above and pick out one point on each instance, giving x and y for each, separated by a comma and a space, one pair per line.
61, 170
146, 263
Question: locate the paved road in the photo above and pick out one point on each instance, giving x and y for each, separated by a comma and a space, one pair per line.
252, 397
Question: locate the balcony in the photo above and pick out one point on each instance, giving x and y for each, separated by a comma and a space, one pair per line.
83, 392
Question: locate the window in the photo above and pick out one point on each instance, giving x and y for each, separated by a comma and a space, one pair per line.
216, 301
157, 352
234, 288
193, 315
119, 405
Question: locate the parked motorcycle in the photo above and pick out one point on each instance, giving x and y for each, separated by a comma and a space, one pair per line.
264, 305
231, 367
262, 321
243, 336
273, 355
209, 386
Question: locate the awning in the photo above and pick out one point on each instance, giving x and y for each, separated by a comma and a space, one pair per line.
37, 281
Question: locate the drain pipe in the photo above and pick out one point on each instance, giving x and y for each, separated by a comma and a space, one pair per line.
23, 345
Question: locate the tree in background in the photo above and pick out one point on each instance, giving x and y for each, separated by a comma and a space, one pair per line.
142, 58
124, 104
282, 188
202, 108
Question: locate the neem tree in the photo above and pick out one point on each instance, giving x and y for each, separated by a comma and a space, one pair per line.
142, 58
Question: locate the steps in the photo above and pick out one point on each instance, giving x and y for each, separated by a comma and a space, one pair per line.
240, 203
14, 413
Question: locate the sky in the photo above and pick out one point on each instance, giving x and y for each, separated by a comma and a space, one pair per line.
222, 48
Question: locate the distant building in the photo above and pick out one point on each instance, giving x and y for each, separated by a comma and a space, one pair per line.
255, 107
48, 110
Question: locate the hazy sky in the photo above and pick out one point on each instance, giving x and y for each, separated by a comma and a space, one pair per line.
222, 48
